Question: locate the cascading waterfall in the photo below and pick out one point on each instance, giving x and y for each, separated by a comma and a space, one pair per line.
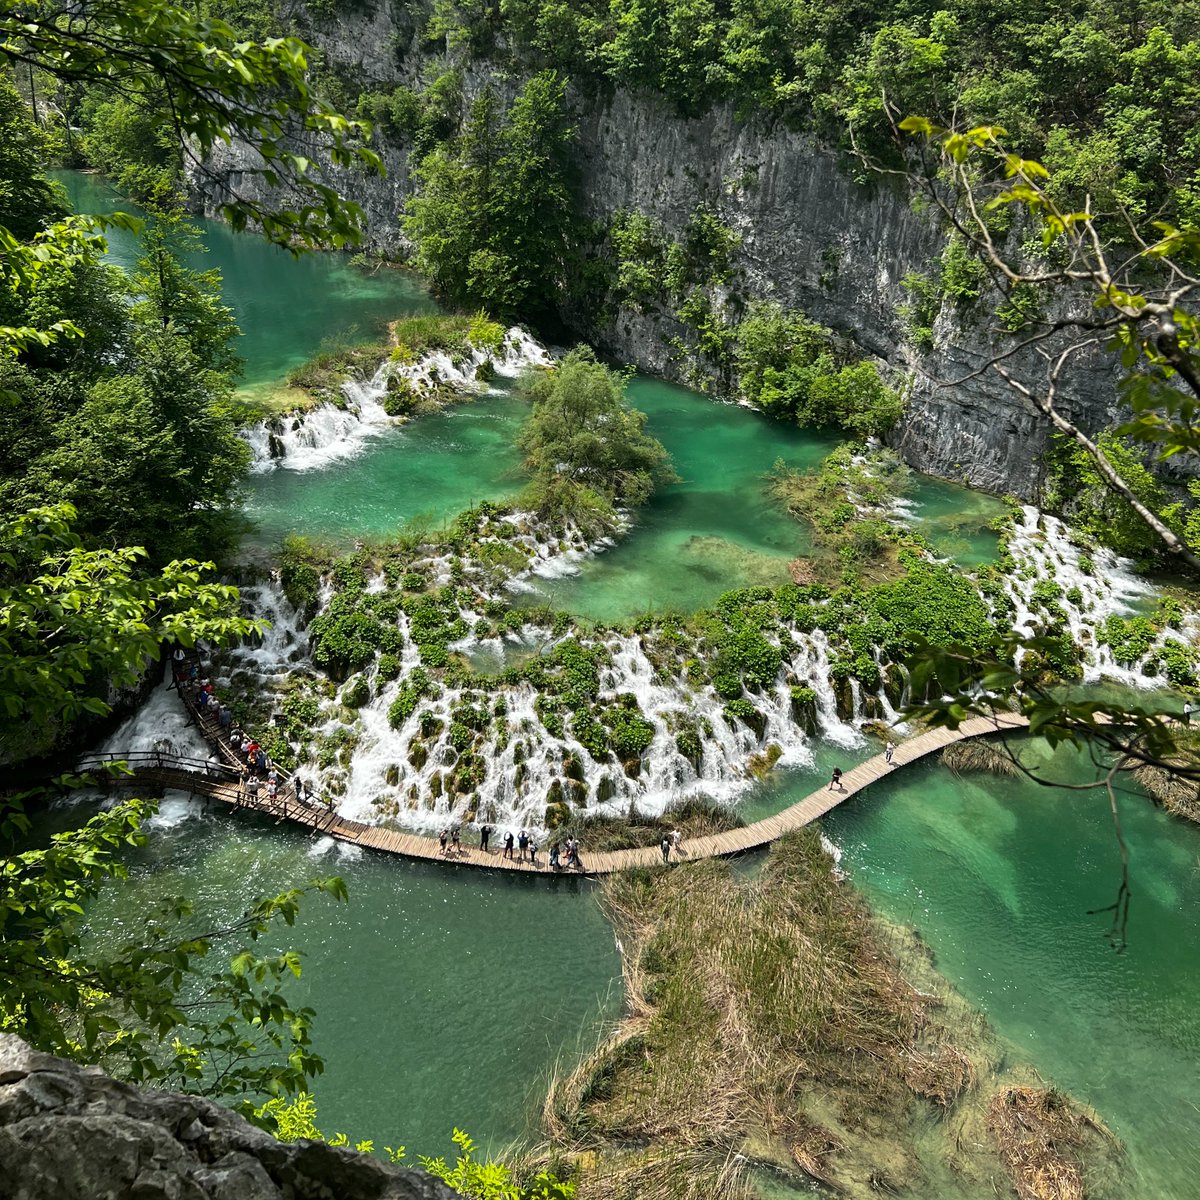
521, 761
329, 432
1088, 594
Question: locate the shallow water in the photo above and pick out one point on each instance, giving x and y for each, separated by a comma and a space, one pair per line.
443, 997
999, 876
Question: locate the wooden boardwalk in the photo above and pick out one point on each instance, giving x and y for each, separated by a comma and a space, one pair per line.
224, 782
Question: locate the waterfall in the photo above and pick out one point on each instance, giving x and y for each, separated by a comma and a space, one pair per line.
1044, 553
306, 441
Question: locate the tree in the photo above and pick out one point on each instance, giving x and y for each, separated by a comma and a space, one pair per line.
217, 88
134, 423
73, 623
585, 447
493, 220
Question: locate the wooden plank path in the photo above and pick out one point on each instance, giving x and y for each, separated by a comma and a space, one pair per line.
226, 784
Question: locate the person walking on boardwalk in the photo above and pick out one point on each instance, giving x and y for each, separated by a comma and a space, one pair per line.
555, 862
835, 780
508, 845
442, 839
888, 752
533, 849
522, 845
665, 847
455, 841
677, 843
485, 832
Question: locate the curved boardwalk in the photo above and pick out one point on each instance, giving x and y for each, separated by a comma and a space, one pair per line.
223, 781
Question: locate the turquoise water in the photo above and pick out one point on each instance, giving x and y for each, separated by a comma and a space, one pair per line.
999, 876
443, 997
429, 469
713, 530
285, 306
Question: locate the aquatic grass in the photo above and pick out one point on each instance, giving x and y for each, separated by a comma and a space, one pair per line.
741, 993
978, 754
1041, 1135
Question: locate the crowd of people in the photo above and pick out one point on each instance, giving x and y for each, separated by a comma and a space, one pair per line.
521, 847
562, 854
256, 774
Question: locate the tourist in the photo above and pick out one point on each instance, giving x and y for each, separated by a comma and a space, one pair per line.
226, 718
888, 752
572, 853
522, 844
272, 788
677, 842
835, 780
485, 832
260, 762
252, 788
533, 849
455, 841
272, 776
665, 847
442, 839
554, 858
508, 844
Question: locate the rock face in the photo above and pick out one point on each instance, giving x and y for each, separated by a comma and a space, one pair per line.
70, 1133
812, 239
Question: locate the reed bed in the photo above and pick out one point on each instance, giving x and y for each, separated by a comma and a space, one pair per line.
1180, 797
978, 754
745, 996
1041, 1136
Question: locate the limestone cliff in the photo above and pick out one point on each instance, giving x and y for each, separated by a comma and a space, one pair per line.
69, 1133
811, 238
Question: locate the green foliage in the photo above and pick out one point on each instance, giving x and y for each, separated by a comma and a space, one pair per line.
1078, 490
639, 243
790, 367
491, 1180
299, 576
932, 603
416, 685
584, 444
221, 86
629, 733
494, 217
73, 620
135, 145
963, 273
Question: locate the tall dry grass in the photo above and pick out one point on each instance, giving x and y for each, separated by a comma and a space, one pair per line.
745, 996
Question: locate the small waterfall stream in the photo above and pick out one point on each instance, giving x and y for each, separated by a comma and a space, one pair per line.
309, 440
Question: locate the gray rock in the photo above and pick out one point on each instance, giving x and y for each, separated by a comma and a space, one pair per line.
71, 1133
812, 239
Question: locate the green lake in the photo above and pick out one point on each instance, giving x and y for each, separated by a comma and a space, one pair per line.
445, 998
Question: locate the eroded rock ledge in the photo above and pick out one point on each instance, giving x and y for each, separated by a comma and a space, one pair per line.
72, 1133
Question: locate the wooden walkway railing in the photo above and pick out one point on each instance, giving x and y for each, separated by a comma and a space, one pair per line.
226, 784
